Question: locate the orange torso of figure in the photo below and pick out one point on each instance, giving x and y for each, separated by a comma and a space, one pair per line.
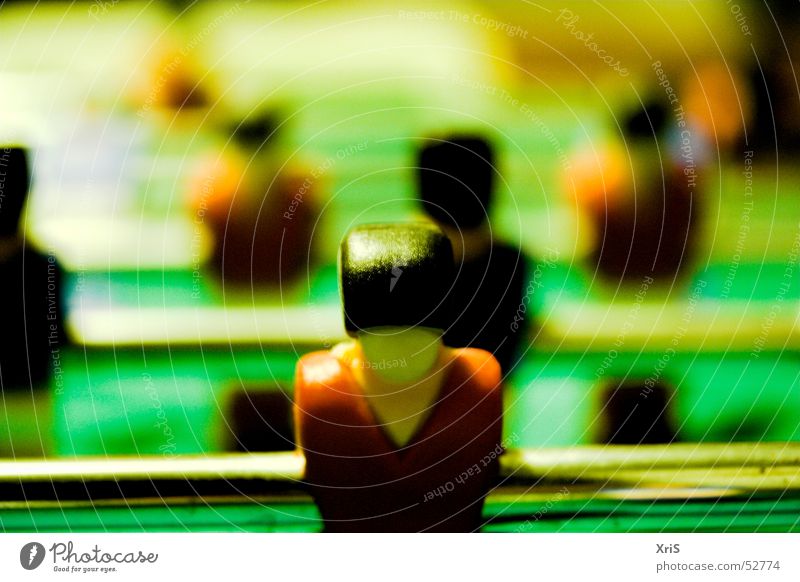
362, 481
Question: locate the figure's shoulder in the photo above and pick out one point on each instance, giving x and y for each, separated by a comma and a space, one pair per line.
507, 262
324, 386
479, 367
319, 369
507, 252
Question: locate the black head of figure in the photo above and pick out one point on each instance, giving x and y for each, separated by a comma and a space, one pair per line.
647, 121
455, 180
395, 275
258, 131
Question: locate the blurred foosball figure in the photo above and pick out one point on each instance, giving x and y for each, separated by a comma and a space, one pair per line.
260, 208
455, 180
642, 198
30, 292
773, 130
399, 432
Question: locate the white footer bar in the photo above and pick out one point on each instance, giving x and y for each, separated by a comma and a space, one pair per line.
430, 557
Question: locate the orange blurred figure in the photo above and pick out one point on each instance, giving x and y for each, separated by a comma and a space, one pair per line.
641, 198
262, 218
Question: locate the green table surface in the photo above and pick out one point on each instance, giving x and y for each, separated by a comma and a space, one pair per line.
138, 401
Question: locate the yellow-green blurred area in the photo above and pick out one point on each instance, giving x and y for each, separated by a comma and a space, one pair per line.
165, 356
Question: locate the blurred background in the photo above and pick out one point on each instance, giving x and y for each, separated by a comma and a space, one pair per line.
195, 165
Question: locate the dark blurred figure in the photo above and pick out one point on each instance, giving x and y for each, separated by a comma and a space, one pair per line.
260, 420
775, 127
485, 304
646, 208
30, 286
637, 413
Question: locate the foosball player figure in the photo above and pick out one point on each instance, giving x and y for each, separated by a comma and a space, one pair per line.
399, 432
30, 294
456, 181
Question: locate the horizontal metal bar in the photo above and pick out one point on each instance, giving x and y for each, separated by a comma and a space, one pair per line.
744, 466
